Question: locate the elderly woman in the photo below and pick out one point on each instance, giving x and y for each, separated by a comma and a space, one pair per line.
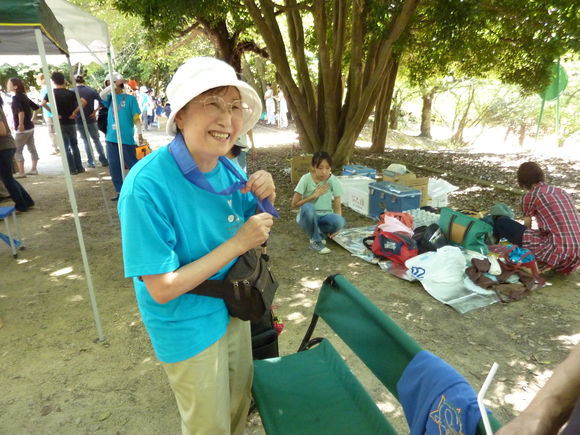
556, 242
178, 232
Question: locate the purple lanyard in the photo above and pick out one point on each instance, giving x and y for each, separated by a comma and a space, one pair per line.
189, 169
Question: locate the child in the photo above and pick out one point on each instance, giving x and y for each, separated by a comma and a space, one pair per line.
556, 243
318, 196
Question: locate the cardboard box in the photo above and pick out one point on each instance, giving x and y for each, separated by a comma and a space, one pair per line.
421, 184
358, 200
438, 202
395, 177
359, 170
358, 181
300, 166
389, 196
411, 180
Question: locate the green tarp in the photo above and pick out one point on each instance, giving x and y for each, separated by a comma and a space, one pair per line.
19, 18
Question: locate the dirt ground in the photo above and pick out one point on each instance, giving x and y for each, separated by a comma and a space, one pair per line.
57, 378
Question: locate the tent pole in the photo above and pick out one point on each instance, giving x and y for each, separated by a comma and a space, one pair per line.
68, 181
116, 115
88, 136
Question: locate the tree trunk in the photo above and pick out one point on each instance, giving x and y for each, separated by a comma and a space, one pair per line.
457, 137
522, 134
382, 110
426, 113
324, 120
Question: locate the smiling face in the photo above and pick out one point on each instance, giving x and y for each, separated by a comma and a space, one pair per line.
209, 137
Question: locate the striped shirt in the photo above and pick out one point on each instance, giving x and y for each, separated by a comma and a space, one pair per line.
556, 243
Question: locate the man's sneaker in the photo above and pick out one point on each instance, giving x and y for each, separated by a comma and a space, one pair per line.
319, 247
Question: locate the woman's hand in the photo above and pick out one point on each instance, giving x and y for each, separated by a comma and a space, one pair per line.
262, 184
254, 232
321, 189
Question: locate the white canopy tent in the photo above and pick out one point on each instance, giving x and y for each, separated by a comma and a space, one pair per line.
35, 28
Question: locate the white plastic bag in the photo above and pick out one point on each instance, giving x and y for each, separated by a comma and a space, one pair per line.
397, 168
445, 265
438, 187
441, 273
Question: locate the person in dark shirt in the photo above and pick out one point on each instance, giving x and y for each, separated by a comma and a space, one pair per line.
21, 198
22, 109
91, 97
67, 107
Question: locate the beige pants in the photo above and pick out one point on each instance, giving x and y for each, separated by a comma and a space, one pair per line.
52, 133
213, 388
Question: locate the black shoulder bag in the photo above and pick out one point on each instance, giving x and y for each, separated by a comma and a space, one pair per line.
248, 289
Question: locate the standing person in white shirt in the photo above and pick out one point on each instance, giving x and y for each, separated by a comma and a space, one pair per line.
282, 109
270, 104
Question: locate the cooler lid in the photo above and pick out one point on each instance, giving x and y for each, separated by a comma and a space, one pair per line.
394, 188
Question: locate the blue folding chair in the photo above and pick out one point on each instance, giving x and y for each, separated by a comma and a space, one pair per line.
14, 243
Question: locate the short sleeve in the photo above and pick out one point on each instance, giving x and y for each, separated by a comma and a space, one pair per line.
337, 189
302, 184
107, 102
148, 238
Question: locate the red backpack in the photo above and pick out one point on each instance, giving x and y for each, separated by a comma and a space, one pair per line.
397, 247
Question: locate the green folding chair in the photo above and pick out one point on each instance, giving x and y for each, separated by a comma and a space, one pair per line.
315, 392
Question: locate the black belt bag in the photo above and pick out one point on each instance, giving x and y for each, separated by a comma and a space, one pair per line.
248, 289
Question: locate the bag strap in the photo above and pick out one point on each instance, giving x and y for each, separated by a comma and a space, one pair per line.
368, 242
466, 231
449, 226
214, 288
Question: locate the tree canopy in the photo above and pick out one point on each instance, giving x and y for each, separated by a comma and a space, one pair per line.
338, 60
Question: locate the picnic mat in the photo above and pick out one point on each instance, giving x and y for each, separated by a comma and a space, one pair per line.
462, 294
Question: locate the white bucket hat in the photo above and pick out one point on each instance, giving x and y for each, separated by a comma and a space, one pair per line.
116, 77
200, 74
143, 89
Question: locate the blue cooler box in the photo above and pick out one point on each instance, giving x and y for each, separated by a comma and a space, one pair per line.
386, 195
359, 170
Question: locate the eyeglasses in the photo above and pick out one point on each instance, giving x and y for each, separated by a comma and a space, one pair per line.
216, 106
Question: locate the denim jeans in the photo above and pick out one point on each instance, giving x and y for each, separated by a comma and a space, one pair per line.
19, 195
129, 156
318, 226
71, 146
94, 134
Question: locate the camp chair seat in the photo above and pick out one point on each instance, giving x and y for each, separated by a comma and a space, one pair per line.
314, 392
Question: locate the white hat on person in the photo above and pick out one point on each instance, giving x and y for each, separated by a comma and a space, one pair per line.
116, 77
199, 75
143, 89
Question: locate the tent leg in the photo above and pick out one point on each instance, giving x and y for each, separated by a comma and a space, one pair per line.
68, 181
88, 136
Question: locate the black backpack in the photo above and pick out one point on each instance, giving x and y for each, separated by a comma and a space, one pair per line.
429, 238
